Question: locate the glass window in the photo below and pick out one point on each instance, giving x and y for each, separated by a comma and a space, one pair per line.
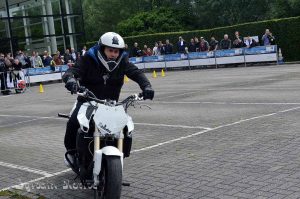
3, 28
29, 27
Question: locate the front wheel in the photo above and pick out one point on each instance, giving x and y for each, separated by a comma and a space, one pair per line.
110, 179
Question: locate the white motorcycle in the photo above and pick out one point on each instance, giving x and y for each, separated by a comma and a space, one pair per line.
107, 125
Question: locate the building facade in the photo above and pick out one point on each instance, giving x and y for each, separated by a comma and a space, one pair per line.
39, 25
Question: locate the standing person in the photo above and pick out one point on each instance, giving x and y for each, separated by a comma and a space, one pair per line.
156, 50
136, 52
268, 38
102, 70
83, 51
238, 41
3, 75
68, 57
181, 44
225, 43
46, 59
73, 54
192, 46
213, 44
36, 60
145, 50
168, 47
204, 45
250, 42
161, 47
17, 71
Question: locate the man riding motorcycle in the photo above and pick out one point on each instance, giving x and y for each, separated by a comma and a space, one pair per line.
102, 70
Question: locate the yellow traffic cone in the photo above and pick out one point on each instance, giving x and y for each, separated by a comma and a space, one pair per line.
154, 74
41, 88
126, 79
163, 73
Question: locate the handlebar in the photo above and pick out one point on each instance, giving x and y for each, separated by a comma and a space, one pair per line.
87, 94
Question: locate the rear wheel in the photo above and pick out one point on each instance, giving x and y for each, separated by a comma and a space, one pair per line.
110, 179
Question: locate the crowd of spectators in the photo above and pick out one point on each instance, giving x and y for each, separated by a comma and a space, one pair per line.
197, 44
11, 67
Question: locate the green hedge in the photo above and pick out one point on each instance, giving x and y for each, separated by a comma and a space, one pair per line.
286, 32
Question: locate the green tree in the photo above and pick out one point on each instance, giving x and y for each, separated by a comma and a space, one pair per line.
134, 16
157, 20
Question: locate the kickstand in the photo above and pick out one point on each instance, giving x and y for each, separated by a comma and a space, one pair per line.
126, 184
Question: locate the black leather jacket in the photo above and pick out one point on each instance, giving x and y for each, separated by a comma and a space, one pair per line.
95, 77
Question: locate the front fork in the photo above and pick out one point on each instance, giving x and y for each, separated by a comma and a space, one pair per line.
97, 141
98, 154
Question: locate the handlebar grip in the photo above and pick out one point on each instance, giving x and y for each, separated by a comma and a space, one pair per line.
63, 115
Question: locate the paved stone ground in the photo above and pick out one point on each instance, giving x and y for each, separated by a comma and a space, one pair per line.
225, 133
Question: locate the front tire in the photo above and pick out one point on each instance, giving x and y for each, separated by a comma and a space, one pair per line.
110, 179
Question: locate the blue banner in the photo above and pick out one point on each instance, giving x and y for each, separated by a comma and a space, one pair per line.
260, 50
46, 70
64, 68
229, 52
200, 55
153, 58
173, 57
136, 60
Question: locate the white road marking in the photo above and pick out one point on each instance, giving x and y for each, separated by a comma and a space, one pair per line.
31, 170
164, 143
233, 103
12, 124
7, 95
170, 141
175, 126
170, 96
146, 124
215, 128
22, 185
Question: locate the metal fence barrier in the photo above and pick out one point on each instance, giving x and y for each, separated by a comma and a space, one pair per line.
212, 58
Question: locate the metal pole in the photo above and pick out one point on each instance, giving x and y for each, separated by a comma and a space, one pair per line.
9, 27
245, 57
63, 24
82, 22
216, 59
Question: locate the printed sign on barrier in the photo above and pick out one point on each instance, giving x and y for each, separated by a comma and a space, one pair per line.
173, 57
46, 70
260, 50
64, 68
229, 52
153, 58
200, 55
136, 60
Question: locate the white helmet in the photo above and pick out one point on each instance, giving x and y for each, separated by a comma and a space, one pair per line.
113, 40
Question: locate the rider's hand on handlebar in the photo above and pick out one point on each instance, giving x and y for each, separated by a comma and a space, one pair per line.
72, 85
148, 93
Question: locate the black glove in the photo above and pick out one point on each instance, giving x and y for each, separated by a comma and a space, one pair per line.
148, 93
72, 85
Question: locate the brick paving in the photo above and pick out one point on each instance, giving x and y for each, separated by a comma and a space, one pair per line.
238, 130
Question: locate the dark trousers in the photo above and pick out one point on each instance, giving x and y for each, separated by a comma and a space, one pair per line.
72, 128
3, 78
